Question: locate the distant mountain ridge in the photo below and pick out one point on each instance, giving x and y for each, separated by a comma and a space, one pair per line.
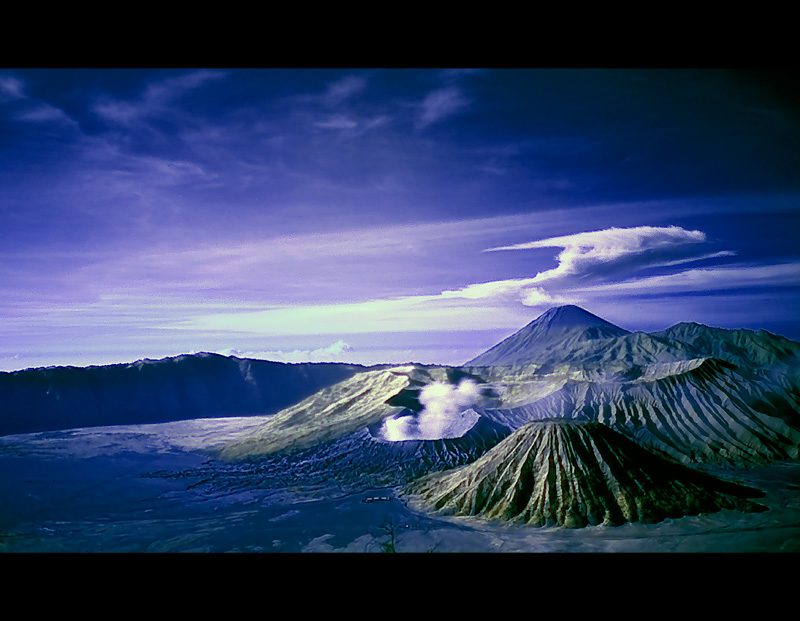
571, 335
739, 346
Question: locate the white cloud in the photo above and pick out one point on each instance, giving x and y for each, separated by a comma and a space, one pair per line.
330, 353
582, 254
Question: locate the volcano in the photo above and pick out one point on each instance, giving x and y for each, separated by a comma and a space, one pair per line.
693, 393
574, 474
559, 330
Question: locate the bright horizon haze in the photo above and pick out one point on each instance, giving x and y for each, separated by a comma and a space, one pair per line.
387, 215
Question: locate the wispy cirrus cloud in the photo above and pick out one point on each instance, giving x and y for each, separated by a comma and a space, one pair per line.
337, 121
704, 280
46, 113
11, 88
441, 104
334, 94
157, 98
336, 109
350, 124
353, 264
407, 314
13, 91
344, 89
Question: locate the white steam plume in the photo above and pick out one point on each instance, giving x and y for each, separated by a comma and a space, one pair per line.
446, 413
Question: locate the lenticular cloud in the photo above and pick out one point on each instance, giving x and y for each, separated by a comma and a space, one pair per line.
593, 255
446, 413
582, 251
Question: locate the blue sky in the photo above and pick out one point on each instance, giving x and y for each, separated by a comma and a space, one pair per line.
386, 215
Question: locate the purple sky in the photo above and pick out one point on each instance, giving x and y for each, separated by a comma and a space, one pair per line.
385, 215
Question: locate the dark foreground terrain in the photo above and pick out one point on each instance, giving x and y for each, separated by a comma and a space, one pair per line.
152, 488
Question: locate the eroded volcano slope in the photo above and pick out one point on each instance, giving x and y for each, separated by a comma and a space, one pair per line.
694, 393
704, 411
573, 474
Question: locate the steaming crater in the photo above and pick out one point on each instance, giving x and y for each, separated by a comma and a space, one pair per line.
444, 411
425, 427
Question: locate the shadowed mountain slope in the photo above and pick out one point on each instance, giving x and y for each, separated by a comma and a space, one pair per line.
153, 391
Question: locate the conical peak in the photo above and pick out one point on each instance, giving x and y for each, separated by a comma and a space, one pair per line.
573, 474
557, 332
569, 316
